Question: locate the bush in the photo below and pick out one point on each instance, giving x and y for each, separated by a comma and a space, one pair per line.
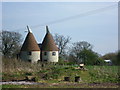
103, 74
99, 61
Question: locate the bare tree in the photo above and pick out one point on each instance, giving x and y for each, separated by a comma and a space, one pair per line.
79, 46
11, 42
62, 42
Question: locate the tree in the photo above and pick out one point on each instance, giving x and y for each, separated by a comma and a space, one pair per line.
118, 57
81, 52
11, 42
111, 56
62, 43
77, 47
89, 57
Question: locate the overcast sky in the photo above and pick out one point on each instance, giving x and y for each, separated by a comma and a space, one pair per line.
82, 21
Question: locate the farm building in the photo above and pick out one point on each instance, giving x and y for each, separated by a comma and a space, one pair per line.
32, 52
109, 62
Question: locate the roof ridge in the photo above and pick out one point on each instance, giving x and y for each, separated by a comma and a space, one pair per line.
30, 44
48, 43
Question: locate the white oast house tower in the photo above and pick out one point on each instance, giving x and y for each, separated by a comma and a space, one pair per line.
30, 50
49, 48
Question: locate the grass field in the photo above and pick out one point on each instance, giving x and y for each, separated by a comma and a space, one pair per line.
53, 75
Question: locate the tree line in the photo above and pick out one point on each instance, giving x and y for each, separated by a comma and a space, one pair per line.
78, 52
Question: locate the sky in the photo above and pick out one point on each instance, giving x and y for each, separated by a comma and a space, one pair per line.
94, 22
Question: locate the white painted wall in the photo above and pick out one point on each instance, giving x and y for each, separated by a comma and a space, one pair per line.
49, 57
34, 57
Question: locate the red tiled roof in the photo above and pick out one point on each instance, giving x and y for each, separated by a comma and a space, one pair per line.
48, 43
30, 43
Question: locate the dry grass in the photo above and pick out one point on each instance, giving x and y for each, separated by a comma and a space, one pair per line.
14, 65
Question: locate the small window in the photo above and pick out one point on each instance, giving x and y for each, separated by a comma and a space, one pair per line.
29, 60
38, 61
29, 53
53, 53
45, 53
45, 60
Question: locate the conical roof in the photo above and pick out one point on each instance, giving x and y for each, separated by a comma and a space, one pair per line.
30, 43
48, 43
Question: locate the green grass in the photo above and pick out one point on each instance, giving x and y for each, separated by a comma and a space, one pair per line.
93, 74
104, 74
0, 86
12, 86
56, 73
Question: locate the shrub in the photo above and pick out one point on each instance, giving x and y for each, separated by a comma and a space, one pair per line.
103, 74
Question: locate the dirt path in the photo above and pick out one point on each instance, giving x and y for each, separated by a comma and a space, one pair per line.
84, 85
20, 83
62, 84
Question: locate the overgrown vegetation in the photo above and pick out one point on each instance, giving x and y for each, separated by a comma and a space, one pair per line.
17, 70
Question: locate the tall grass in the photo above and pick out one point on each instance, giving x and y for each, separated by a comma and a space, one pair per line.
14, 65
17, 69
104, 74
